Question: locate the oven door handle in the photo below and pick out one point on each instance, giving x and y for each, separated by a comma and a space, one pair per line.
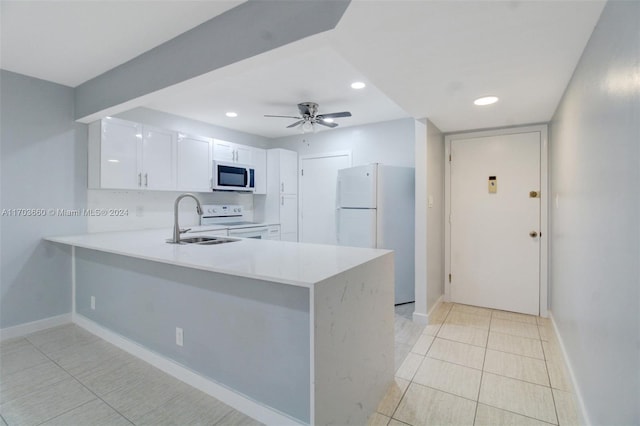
241, 232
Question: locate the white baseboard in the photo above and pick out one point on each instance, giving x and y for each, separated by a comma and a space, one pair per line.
574, 383
424, 319
240, 402
32, 327
435, 308
420, 318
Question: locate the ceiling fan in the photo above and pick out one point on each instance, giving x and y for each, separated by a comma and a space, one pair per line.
309, 117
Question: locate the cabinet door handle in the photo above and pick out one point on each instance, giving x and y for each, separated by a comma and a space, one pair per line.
139, 179
282, 201
146, 179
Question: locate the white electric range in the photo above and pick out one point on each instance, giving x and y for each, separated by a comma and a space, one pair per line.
230, 216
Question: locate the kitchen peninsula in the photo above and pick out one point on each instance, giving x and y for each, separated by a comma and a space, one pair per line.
300, 331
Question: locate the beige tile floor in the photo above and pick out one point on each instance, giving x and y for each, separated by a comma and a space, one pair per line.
66, 376
470, 366
476, 366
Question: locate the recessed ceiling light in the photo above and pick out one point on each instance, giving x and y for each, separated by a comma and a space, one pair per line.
328, 120
231, 114
487, 100
358, 85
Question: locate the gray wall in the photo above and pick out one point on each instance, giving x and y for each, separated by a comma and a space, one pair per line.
435, 215
389, 142
43, 166
595, 218
249, 335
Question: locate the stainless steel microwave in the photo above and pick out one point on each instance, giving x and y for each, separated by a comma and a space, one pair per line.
233, 177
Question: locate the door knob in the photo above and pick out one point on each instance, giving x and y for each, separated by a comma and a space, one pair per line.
533, 234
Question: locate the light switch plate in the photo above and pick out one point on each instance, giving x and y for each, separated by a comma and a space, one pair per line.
179, 336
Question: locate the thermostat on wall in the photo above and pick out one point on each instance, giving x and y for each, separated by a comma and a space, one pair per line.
493, 185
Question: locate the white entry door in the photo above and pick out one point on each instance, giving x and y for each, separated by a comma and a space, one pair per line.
318, 181
495, 221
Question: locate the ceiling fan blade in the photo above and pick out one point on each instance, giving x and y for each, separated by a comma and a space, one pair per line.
326, 123
295, 124
335, 115
283, 116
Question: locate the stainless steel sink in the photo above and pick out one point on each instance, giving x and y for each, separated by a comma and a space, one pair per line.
205, 241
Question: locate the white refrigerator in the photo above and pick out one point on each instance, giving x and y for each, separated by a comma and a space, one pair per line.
376, 209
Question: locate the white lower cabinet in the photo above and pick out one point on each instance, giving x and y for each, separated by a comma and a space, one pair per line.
273, 232
289, 217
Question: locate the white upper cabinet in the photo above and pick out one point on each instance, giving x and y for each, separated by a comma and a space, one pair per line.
230, 152
127, 155
158, 158
259, 156
114, 147
244, 155
194, 166
288, 172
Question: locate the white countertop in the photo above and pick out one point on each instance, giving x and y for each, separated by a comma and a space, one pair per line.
285, 262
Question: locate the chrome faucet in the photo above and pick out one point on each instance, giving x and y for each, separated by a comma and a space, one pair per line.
176, 227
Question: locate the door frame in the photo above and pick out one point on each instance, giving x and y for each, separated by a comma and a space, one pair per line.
544, 204
301, 158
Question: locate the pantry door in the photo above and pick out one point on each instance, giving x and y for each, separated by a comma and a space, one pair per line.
318, 183
495, 239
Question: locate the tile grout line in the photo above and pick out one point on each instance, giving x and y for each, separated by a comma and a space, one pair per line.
81, 384
553, 397
516, 413
484, 360
411, 381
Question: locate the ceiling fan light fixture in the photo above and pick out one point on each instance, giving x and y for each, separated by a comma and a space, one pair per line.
358, 85
231, 114
307, 127
486, 100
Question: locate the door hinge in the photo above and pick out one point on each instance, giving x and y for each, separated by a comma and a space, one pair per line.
302, 172
449, 157
449, 277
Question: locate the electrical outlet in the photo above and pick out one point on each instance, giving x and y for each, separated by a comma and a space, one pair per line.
179, 336
93, 303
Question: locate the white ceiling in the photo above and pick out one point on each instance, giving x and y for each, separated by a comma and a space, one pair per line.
275, 86
419, 58
70, 42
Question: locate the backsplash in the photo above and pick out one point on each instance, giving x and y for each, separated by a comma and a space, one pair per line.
153, 209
